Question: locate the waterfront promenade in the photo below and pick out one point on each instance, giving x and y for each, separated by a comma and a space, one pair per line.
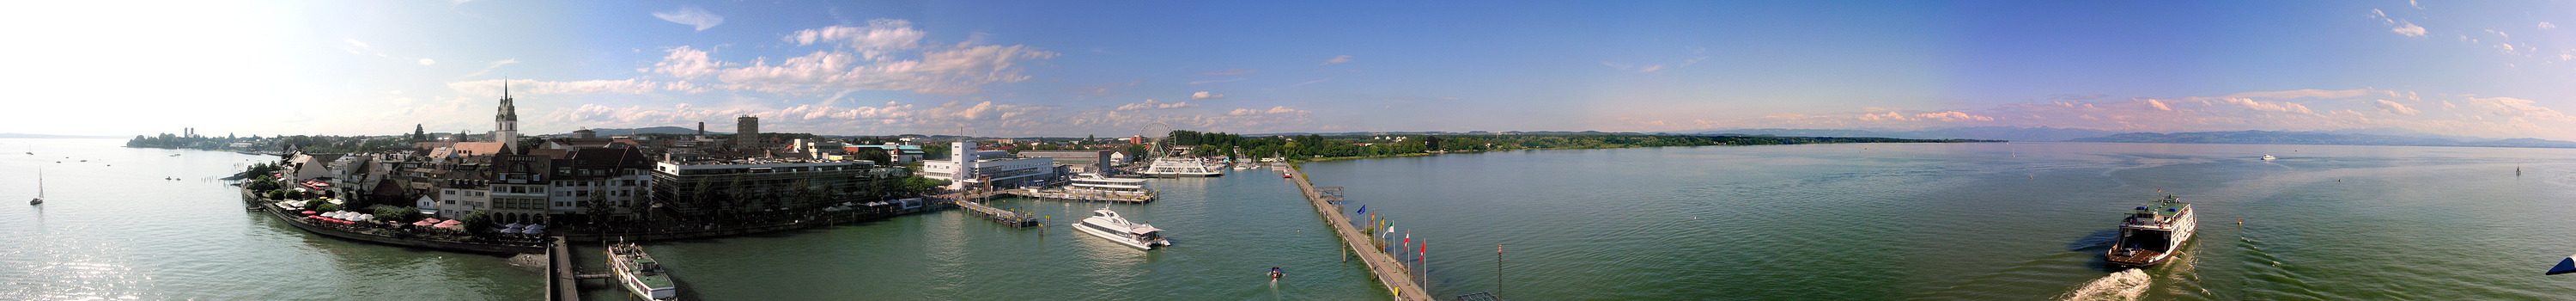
1386, 268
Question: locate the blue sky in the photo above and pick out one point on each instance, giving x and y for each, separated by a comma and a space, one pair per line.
1047, 68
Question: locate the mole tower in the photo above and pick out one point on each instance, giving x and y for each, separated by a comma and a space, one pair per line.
506, 124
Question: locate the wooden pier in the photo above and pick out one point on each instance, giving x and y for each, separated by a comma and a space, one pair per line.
1006, 217
1389, 271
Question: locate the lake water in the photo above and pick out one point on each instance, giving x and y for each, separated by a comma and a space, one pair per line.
1982, 221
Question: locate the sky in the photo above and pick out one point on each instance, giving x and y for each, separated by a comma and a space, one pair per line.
2497, 69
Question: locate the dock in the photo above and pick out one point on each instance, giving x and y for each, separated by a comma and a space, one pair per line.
1006, 217
1384, 267
562, 283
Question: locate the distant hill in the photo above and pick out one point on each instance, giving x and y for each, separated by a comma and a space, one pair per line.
650, 130
2281, 137
1982, 133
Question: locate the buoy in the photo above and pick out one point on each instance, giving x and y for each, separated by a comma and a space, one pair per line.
2240, 222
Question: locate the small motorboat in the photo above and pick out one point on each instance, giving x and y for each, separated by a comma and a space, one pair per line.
1275, 273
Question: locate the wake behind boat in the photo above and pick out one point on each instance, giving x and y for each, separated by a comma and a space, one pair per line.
1106, 224
2152, 232
639, 274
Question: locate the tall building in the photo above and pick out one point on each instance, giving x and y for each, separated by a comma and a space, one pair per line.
747, 134
507, 122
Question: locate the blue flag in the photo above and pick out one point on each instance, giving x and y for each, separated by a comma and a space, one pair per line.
1363, 209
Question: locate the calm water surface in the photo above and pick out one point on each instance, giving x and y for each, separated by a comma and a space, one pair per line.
2016, 221
1980, 221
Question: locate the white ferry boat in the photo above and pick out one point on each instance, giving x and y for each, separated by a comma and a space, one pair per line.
2268, 158
1107, 224
639, 274
2152, 233
1092, 183
1168, 167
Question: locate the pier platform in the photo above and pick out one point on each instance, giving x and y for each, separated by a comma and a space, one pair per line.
1385, 267
1006, 217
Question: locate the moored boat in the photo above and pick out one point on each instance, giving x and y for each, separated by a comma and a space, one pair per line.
639, 274
2152, 233
1169, 167
1107, 224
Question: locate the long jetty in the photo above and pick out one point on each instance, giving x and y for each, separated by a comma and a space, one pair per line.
1006, 217
1388, 271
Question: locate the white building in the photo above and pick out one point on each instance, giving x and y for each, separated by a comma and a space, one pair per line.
965, 166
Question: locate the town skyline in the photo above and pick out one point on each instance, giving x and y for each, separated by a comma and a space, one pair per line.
1024, 69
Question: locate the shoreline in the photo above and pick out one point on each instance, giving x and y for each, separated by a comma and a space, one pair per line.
536, 246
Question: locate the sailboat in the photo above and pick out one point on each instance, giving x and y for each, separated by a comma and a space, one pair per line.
40, 189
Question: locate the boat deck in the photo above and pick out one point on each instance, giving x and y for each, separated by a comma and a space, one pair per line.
2138, 259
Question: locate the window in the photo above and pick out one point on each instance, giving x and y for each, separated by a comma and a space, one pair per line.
451, 192
451, 202
630, 183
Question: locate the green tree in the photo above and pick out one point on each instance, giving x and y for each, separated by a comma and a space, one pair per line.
396, 214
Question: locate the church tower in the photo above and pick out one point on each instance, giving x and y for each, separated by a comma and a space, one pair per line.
507, 123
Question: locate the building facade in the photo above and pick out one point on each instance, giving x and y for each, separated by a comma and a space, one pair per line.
756, 187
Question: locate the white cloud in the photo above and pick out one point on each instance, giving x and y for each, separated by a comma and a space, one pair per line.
1338, 60
1214, 81
2158, 104
426, 62
692, 16
1272, 110
873, 42
1952, 116
1205, 95
2547, 26
2392, 107
686, 63
865, 58
2303, 93
487, 68
356, 42
2408, 29
1150, 104
492, 87
2266, 106
2416, 5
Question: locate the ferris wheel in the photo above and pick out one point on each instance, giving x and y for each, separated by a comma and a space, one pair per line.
1162, 134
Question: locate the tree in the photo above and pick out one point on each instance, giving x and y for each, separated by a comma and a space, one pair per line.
881, 158
396, 214
477, 221
419, 133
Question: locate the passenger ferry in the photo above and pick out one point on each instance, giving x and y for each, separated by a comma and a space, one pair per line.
1107, 224
640, 274
1169, 167
1095, 184
2152, 232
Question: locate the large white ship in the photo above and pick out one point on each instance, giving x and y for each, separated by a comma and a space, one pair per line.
639, 274
1107, 224
2152, 233
1171, 167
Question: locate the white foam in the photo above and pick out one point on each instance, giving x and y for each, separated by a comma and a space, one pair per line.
2125, 285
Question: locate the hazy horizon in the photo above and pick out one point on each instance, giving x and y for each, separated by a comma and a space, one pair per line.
2484, 69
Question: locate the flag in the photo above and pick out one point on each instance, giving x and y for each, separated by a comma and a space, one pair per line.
1363, 209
